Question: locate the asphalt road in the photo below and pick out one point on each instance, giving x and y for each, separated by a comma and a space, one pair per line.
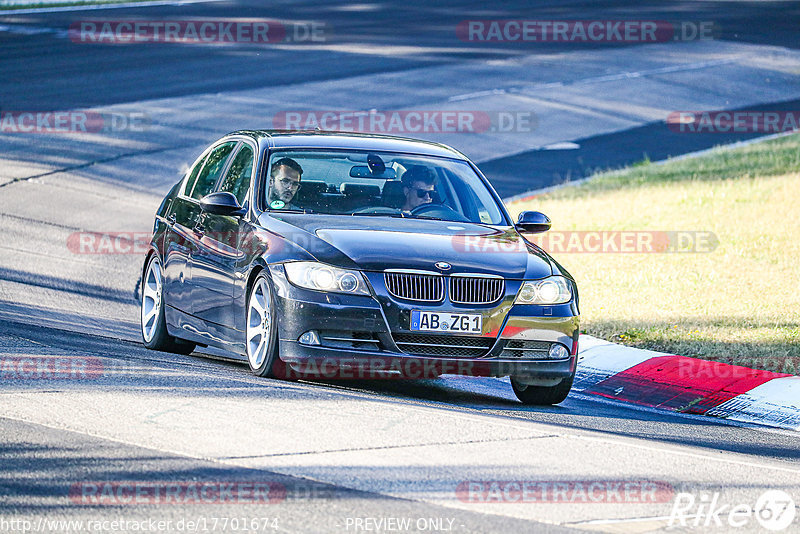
339, 452
60, 72
148, 420
363, 41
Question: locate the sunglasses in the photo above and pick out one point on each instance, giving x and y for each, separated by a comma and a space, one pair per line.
422, 193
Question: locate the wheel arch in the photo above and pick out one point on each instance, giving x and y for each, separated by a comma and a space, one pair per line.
257, 268
139, 290
153, 250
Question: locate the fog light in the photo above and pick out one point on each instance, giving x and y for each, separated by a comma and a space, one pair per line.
309, 338
558, 351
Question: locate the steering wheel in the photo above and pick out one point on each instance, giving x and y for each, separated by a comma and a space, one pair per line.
438, 210
378, 209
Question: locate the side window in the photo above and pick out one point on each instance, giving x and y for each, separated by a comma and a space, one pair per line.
237, 181
212, 168
193, 175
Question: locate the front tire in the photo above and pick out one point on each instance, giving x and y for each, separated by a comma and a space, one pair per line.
542, 395
262, 329
153, 322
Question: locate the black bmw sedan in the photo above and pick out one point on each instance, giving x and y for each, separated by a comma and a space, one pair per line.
317, 254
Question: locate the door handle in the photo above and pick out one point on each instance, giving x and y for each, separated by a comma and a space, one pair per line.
171, 219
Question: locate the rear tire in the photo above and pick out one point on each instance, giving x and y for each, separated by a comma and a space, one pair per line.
542, 395
153, 322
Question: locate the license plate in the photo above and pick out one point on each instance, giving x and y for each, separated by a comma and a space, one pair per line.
465, 323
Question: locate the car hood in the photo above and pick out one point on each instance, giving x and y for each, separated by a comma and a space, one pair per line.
379, 243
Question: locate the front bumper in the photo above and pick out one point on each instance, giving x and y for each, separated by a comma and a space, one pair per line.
375, 353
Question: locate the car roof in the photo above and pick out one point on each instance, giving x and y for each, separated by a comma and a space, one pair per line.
350, 140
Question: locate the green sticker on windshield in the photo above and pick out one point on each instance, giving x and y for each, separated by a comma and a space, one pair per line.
277, 204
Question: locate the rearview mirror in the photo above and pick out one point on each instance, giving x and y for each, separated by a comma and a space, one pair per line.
534, 222
363, 171
221, 203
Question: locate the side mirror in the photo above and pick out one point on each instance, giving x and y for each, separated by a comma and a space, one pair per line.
221, 203
534, 222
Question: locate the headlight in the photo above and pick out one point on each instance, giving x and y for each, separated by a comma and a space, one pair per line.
321, 277
550, 290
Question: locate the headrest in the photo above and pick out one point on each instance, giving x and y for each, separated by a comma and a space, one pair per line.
359, 190
312, 187
392, 194
393, 188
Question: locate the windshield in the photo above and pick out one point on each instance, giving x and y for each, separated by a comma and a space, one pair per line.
379, 184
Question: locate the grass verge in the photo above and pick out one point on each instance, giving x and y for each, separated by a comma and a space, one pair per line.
738, 303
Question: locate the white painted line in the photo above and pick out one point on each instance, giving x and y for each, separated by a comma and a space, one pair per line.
566, 145
33, 30
595, 79
126, 5
617, 521
651, 72
477, 94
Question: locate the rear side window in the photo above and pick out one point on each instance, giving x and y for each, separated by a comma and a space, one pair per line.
237, 181
212, 168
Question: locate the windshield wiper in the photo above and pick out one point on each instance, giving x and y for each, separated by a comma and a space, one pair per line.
368, 214
428, 217
290, 211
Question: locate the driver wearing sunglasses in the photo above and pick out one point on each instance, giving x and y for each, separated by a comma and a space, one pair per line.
418, 186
